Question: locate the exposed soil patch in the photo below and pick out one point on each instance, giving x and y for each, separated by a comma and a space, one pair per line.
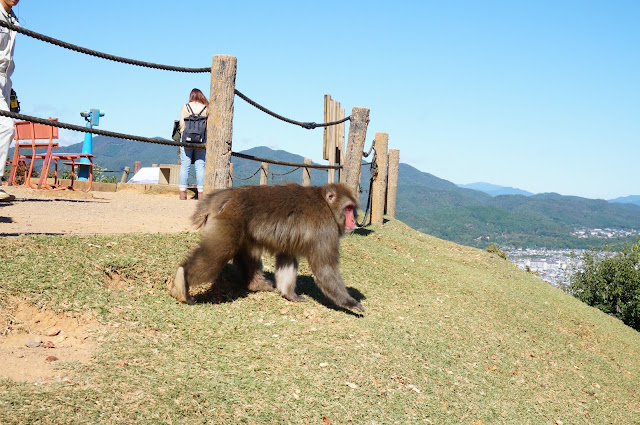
34, 343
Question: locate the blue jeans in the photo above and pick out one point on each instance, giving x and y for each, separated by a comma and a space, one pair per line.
186, 155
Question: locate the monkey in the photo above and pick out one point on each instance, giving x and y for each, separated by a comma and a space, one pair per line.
289, 221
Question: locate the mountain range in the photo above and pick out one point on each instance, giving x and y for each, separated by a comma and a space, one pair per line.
475, 215
495, 190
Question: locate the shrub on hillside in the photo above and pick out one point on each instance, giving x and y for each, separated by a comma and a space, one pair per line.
495, 249
611, 284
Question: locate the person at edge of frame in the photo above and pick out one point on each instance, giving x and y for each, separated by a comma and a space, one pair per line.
7, 44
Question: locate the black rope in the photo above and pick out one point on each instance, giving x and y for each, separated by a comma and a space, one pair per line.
290, 164
283, 174
366, 155
307, 125
246, 178
76, 48
367, 211
82, 129
156, 140
60, 43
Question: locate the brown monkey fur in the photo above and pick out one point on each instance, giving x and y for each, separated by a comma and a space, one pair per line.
289, 220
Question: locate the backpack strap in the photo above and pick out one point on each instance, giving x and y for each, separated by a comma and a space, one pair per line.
189, 109
200, 113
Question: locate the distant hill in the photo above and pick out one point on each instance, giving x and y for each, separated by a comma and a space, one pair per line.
634, 199
425, 202
114, 154
495, 190
475, 218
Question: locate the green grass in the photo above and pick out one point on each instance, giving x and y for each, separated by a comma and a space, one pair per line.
451, 335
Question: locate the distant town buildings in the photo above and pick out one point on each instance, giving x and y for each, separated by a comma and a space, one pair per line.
552, 266
557, 266
604, 233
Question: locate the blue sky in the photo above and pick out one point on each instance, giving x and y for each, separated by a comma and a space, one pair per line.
540, 95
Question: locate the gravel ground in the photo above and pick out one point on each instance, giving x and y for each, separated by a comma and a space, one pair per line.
70, 212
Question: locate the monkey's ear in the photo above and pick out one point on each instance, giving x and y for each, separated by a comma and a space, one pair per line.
330, 195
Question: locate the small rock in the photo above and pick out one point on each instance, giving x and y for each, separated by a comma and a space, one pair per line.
51, 358
32, 343
48, 344
51, 332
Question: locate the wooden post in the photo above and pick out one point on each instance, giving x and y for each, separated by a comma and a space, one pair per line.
325, 131
136, 167
306, 173
379, 188
230, 175
355, 145
125, 175
333, 138
392, 185
220, 122
340, 144
264, 173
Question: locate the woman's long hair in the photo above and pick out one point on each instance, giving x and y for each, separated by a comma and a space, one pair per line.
197, 96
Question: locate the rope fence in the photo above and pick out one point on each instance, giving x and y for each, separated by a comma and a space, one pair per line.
359, 115
79, 49
95, 53
155, 140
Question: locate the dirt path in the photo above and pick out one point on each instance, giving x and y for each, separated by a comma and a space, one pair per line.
69, 212
32, 341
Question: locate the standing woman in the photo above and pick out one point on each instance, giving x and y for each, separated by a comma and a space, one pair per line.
197, 101
7, 42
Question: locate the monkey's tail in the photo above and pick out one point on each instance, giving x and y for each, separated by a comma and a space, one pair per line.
210, 205
199, 218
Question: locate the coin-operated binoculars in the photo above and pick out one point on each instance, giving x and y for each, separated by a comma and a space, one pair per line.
92, 117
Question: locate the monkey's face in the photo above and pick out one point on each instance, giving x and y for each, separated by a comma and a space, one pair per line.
349, 213
343, 206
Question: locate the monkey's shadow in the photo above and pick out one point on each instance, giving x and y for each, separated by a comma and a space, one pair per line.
306, 286
227, 288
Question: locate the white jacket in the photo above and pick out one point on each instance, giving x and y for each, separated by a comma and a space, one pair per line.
7, 43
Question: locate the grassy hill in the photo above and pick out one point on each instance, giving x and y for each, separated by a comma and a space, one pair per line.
451, 335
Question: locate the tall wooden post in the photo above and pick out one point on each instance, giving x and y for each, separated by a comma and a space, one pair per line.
306, 173
379, 188
220, 122
264, 173
136, 167
355, 145
392, 185
333, 138
340, 144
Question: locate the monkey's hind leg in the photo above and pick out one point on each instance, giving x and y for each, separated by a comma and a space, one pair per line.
249, 263
286, 274
203, 264
179, 289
